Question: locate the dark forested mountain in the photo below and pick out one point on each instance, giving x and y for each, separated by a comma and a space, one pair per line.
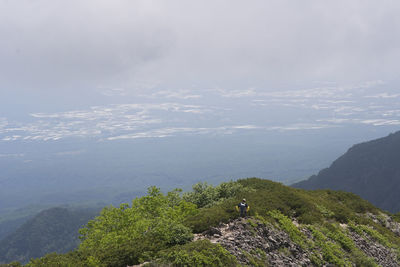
370, 169
52, 230
9, 226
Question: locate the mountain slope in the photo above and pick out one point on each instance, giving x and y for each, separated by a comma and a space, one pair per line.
52, 230
9, 226
285, 227
370, 169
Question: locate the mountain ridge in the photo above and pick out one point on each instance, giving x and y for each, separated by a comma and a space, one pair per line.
51, 230
285, 226
370, 169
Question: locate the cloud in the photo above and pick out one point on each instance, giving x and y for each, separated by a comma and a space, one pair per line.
49, 45
380, 122
100, 121
383, 95
166, 132
237, 93
12, 155
70, 153
301, 126
219, 111
178, 94
65, 48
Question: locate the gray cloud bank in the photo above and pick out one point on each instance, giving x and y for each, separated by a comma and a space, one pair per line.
65, 47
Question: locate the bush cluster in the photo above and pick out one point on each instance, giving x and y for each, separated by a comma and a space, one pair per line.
198, 253
158, 227
131, 234
206, 195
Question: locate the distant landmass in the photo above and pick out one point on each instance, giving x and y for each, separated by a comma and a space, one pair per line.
52, 230
9, 226
370, 169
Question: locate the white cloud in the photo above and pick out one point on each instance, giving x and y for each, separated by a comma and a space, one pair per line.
301, 126
250, 109
178, 94
100, 121
246, 127
20, 155
383, 95
237, 93
70, 153
173, 131
380, 122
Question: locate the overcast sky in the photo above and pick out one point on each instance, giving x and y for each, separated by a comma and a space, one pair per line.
54, 52
136, 71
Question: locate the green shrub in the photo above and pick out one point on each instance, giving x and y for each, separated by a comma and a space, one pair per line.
198, 253
331, 252
207, 217
63, 260
135, 233
335, 233
308, 207
205, 195
360, 259
11, 264
128, 235
364, 229
287, 225
324, 211
256, 259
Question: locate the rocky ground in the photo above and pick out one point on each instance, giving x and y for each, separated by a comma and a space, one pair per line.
383, 256
256, 241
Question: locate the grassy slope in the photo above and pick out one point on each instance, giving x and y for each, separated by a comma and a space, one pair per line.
319, 213
306, 206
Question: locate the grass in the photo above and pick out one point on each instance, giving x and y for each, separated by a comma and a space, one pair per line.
308, 207
331, 251
319, 234
198, 253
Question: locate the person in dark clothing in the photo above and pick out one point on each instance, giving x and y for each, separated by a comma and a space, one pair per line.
243, 208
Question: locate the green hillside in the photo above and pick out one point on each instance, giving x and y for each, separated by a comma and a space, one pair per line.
284, 225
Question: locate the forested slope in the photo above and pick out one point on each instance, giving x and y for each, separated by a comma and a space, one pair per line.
370, 170
201, 228
52, 230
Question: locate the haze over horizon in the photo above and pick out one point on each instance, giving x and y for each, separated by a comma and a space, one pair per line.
124, 94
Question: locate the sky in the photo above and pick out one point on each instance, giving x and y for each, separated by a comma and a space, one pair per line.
62, 59
73, 47
97, 90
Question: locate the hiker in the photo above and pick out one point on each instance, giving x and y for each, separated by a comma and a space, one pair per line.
243, 208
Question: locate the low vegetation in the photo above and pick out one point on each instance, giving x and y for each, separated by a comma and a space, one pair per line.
198, 253
158, 228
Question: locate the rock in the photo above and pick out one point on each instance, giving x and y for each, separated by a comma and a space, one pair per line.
262, 242
212, 231
383, 256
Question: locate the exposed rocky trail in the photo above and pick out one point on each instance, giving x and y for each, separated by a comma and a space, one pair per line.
253, 242
256, 241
